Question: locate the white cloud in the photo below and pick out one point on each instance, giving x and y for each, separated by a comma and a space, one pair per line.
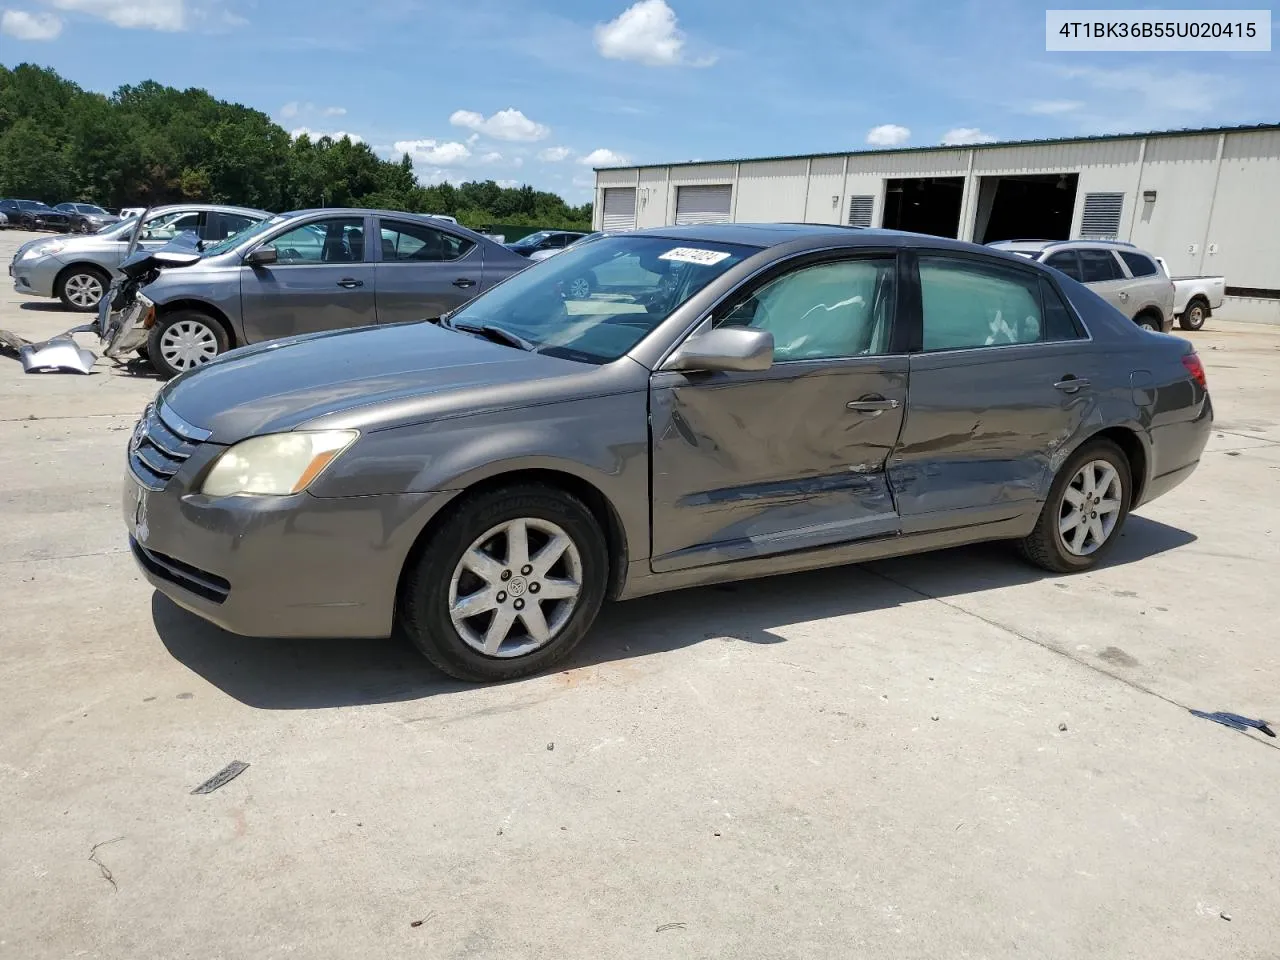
335, 111
963, 136
1158, 92
493, 156
888, 135
1054, 107
507, 183
509, 124
473, 139
555, 154
518, 162
646, 32
290, 110
434, 153
603, 158
30, 26
331, 134
166, 15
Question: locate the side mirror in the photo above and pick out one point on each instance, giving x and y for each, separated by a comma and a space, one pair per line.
262, 257
724, 349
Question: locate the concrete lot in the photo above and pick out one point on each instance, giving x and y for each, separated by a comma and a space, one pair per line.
947, 756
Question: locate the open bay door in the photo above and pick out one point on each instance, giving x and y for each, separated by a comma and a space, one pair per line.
619, 209
710, 204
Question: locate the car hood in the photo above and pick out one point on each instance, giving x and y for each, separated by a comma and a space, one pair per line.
370, 378
182, 251
68, 246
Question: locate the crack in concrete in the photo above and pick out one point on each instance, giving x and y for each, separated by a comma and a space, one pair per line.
102, 867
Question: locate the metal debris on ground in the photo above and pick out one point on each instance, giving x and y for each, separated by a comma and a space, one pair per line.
222, 777
551, 746
1235, 721
663, 927
1062, 728
55, 354
1225, 916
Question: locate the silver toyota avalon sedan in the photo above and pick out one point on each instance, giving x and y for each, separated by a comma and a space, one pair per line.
723, 402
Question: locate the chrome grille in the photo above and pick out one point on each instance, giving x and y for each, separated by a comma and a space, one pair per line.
161, 443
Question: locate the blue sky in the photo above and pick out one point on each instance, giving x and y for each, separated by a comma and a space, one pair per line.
539, 91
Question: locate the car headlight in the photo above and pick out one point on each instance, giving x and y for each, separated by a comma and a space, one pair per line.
43, 250
277, 464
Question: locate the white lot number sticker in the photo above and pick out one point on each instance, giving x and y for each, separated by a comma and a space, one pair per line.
703, 258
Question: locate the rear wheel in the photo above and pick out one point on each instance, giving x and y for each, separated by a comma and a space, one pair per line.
81, 288
183, 340
1085, 511
1148, 321
508, 585
1195, 315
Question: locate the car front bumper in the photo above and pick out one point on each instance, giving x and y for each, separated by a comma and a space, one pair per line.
296, 566
35, 277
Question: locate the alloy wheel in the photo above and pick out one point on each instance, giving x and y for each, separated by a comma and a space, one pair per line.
187, 344
1090, 508
84, 289
579, 288
515, 587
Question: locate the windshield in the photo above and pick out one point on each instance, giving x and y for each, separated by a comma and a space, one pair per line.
118, 231
90, 208
532, 240
595, 302
32, 205
235, 239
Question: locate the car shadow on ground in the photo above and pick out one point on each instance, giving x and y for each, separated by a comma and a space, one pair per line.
49, 306
274, 674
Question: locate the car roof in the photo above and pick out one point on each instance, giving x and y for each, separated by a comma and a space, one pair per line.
801, 236
425, 219
209, 207
1044, 246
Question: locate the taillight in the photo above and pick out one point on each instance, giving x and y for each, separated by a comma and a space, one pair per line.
1194, 367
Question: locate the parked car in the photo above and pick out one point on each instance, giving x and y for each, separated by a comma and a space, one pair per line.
127, 212
86, 217
34, 215
543, 241
1126, 277
1195, 298
552, 251
298, 273
78, 270
4, 220
443, 216
766, 399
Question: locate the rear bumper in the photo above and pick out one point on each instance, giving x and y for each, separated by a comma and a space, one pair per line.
1176, 450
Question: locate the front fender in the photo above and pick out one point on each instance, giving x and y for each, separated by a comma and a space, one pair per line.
219, 296
601, 441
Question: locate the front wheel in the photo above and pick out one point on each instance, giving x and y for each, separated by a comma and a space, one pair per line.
183, 340
1085, 511
82, 288
1194, 316
508, 585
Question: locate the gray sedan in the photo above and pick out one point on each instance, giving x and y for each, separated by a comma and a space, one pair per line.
78, 270
301, 272
727, 402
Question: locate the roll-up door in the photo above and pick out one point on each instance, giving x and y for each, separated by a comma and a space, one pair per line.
704, 204
619, 209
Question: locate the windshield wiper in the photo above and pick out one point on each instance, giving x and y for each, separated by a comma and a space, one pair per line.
496, 334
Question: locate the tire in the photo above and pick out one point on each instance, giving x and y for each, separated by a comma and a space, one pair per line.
81, 288
1195, 314
1147, 321
479, 528
183, 340
1047, 546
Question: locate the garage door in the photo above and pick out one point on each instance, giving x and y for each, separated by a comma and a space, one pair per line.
704, 204
619, 209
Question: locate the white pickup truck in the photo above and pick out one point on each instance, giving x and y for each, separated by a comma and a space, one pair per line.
1194, 298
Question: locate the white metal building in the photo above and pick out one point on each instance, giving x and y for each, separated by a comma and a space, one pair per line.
1208, 201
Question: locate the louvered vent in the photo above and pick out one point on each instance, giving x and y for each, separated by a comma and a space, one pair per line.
860, 211
1101, 219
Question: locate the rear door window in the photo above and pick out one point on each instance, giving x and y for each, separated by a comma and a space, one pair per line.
1139, 265
404, 242
968, 304
1099, 266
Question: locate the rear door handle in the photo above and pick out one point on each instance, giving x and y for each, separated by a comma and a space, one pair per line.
350, 283
464, 283
1070, 384
872, 405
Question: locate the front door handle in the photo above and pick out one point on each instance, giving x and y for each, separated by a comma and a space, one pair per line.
873, 405
1070, 384
464, 283
350, 283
